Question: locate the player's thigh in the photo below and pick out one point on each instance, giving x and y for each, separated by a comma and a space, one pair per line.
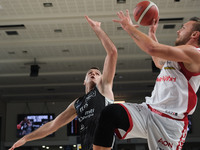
165, 133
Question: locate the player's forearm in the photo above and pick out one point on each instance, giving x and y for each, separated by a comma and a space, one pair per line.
40, 132
157, 61
142, 40
106, 41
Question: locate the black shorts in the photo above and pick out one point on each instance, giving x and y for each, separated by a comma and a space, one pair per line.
112, 117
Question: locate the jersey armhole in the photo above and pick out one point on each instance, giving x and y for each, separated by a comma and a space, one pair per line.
186, 72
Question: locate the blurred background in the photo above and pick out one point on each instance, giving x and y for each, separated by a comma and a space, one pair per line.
46, 48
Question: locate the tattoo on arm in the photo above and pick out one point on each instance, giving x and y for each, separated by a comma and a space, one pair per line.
162, 62
134, 36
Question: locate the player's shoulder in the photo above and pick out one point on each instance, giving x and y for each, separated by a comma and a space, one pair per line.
190, 49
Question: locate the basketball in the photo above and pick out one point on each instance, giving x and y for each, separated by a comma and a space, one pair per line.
145, 12
18, 126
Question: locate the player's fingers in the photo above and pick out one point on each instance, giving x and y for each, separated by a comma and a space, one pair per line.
119, 21
127, 13
122, 14
90, 21
99, 23
154, 22
157, 20
136, 26
87, 18
118, 14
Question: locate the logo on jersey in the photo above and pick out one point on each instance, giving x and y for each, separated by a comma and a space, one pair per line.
171, 68
139, 108
166, 78
90, 95
82, 127
165, 143
88, 114
82, 108
172, 113
182, 140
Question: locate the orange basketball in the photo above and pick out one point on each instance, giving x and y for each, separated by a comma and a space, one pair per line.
145, 12
18, 126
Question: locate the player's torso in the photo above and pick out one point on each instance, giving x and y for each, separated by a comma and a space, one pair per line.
88, 110
89, 105
174, 91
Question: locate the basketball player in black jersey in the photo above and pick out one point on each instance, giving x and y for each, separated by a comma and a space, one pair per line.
98, 93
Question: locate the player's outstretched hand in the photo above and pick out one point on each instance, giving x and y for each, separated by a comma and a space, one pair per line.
153, 27
92, 23
19, 143
124, 19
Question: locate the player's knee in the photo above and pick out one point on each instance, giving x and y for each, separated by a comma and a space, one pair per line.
107, 113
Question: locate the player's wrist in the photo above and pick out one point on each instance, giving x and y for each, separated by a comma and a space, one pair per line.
129, 28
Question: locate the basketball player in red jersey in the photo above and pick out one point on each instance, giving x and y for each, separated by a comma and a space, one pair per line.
98, 94
162, 119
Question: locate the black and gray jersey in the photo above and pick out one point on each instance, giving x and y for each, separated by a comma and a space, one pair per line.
88, 109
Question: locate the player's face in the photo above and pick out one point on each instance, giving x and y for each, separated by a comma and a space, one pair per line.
184, 33
93, 75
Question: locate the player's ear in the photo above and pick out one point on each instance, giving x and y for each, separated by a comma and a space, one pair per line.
195, 34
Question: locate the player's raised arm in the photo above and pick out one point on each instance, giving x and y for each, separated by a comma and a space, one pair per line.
159, 62
110, 62
111, 58
186, 53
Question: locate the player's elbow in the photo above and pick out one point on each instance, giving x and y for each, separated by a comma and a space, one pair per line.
113, 53
114, 50
152, 49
